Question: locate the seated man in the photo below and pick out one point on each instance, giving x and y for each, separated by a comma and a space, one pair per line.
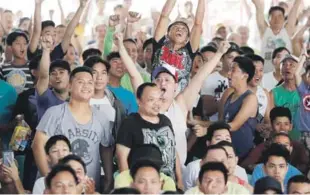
267, 185
146, 177
298, 184
145, 151
64, 176
276, 165
86, 185
213, 179
217, 132
214, 153
56, 148
281, 122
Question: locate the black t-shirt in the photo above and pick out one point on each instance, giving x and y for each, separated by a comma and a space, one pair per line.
136, 131
181, 59
56, 54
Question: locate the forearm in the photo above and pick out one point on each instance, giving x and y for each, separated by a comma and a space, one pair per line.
260, 18
168, 7
128, 31
134, 74
40, 158
34, 42
70, 29
19, 186
200, 12
178, 171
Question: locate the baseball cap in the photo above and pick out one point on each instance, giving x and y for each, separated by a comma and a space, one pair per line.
267, 183
13, 36
60, 64
289, 56
167, 69
143, 153
218, 26
178, 22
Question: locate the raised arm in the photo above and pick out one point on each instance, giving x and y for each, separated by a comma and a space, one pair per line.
134, 74
71, 26
131, 19
248, 109
297, 40
43, 80
35, 38
163, 22
187, 98
260, 18
62, 14
197, 28
292, 18
302, 59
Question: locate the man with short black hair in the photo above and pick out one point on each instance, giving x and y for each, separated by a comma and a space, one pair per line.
213, 171
271, 79
90, 52
276, 33
64, 176
56, 148
298, 184
149, 127
86, 127
275, 164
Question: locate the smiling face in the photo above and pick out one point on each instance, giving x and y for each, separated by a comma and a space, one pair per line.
276, 19
82, 86
149, 103
259, 73
19, 47
282, 123
178, 33
236, 76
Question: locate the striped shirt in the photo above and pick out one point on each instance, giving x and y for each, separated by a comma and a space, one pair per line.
18, 76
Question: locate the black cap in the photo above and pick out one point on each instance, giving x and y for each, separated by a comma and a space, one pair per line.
267, 183
143, 153
234, 48
179, 22
60, 64
13, 36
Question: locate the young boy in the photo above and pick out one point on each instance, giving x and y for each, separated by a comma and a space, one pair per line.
56, 148
17, 72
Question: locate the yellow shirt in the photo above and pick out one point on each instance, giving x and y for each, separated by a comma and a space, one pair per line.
124, 179
232, 188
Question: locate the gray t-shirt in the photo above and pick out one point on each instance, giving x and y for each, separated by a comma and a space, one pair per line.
84, 139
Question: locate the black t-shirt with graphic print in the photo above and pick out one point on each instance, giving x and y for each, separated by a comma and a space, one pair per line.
136, 131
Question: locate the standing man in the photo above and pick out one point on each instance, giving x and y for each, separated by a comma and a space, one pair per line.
177, 48
86, 128
149, 127
278, 32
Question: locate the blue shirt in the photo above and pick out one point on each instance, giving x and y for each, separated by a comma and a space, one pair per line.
45, 101
303, 114
259, 173
8, 98
127, 98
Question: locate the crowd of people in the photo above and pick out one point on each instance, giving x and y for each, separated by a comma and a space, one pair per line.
157, 111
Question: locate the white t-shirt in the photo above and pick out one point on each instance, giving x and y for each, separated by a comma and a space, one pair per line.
105, 106
191, 173
269, 81
271, 42
39, 186
215, 86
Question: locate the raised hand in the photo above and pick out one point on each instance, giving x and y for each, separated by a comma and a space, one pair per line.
118, 37
89, 185
114, 20
83, 3
133, 17
39, 1
47, 42
223, 47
